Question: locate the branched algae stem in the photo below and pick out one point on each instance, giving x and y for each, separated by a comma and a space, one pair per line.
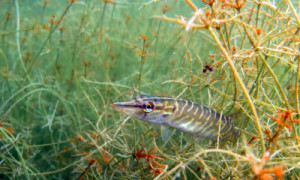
7, 18
143, 55
257, 121
223, 39
49, 36
296, 88
58, 49
155, 54
294, 12
18, 40
111, 18
18, 152
102, 18
227, 36
43, 11
76, 39
281, 91
239, 157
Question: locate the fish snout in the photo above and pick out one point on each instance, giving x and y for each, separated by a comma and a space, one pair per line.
124, 105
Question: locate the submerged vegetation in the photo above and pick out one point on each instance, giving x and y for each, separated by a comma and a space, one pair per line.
64, 62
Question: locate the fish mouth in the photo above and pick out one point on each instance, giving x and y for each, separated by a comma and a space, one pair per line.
125, 105
130, 108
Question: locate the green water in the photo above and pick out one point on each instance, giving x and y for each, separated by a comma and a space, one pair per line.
63, 63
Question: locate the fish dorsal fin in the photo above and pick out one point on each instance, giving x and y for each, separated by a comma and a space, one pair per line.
166, 133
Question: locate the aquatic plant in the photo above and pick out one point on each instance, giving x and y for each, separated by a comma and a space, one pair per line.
64, 62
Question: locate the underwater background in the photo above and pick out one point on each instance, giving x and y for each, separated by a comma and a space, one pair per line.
63, 62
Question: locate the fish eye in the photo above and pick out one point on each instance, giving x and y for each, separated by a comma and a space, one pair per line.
148, 107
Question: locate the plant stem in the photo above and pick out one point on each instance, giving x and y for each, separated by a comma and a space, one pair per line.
141, 67
294, 12
281, 91
296, 87
18, 152
236, 75
48, 37
17, 38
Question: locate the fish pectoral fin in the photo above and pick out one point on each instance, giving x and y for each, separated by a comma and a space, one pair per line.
166, 133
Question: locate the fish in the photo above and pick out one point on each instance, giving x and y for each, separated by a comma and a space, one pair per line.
184, 115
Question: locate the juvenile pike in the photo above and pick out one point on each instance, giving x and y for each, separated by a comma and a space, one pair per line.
187, 116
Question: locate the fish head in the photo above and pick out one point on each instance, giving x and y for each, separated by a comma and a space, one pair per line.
146, 108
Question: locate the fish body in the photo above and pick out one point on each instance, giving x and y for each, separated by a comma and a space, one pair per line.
185, 115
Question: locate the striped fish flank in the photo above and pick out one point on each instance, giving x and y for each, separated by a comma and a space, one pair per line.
187, 116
